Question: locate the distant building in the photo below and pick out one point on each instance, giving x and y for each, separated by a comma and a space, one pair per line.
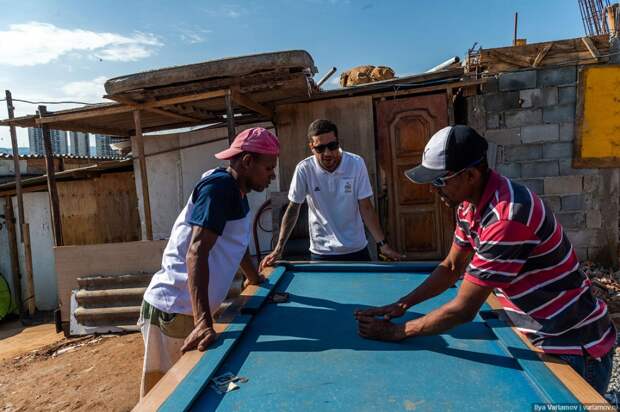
102, 145
58, 138
79, 142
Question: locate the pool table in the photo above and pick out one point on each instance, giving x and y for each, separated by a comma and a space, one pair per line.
300, 351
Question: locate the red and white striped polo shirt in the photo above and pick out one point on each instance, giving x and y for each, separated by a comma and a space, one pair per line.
522, 251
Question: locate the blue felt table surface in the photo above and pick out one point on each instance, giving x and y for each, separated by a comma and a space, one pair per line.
306, 355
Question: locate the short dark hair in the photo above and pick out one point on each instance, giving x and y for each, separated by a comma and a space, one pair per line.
321, 126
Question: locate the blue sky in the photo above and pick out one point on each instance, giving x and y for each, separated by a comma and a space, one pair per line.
59, 50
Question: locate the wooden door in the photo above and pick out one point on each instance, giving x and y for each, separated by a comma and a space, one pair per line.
415, 219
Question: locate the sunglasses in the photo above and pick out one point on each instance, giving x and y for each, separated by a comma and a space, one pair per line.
331, 146
441, 181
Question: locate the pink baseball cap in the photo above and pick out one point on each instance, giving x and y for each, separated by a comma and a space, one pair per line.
254, 140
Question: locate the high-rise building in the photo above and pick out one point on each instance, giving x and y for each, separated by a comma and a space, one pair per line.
80, 144
58, 138
102, 144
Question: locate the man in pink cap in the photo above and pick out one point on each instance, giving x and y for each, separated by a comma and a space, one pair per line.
208, 242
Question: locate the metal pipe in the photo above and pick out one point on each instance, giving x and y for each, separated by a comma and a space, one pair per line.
326, 77
445, 64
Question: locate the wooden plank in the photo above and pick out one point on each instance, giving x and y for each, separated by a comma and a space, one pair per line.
158, 395
102, 259
230, 117
51, 181
541, 54
163, 112
109, 198
124, 108
9, 217
450, 99
566, 374
247, 102
591, 47
146, 201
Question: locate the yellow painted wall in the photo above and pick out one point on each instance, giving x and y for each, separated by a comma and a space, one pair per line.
600, 127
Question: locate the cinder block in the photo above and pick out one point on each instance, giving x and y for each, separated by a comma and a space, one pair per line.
522, 152
567, 94
559, 185
584, 237
540, 169
571, 220
592, 183
581, 252
504, 137
535, 185
573, 202
557, 76
549, 96
492, 120
491, 85
517, 80
557, 150
597, 254
594, 219
566, 168
567, 132
553, 202
531, 98
560, 113
511, 170
540, 133
498, 102
518, 118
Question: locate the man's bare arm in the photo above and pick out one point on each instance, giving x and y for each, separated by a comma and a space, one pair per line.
197, 260
286, 228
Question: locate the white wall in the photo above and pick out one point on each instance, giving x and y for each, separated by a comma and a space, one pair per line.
172, 177
37, 214
5, 254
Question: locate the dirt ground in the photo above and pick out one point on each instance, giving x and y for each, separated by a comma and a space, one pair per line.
84, 374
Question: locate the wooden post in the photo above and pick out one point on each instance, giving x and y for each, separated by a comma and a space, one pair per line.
23, 226
9, 217
230, 116
450, 98
146, 201
51, 181
514, 39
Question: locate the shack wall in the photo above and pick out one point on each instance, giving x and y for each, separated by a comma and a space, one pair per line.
530, 115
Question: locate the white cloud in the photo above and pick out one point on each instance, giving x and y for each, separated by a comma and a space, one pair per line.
229, 10
194, 36
88, 91
34, 43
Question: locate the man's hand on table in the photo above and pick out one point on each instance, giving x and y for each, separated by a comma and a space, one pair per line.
389, 253
379, 329
255, 281
394, 310
201, 337
270, 259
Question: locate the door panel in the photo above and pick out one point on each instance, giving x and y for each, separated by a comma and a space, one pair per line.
417, 223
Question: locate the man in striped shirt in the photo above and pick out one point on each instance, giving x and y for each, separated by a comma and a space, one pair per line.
520, 251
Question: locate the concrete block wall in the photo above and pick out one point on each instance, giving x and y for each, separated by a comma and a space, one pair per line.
530, 115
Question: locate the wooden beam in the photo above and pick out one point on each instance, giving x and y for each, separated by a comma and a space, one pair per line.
146, 201
230, 117
450, 98
124, 108
591, 47
163, 112
51, 182
247, 102
541, 54
9, 217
